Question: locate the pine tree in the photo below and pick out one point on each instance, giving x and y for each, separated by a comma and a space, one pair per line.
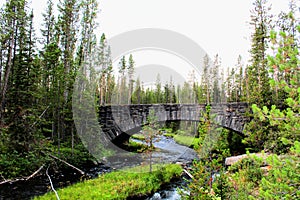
205, 80
104, 65
287, 24
67, 25
19, 88
8, 49
257, 71
137, 94
230, 84
158, 90
51, 70
48, 24
130, 70
216, 97
192, 82
122, 80
239, 95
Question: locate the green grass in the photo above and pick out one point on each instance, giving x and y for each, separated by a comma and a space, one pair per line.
189, 141
185, 140
119, 184
138, 137
169, 135
137, 147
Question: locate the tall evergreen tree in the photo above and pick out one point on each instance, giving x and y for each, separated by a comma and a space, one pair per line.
205, 79
158, 90
130, 69
122, 81
216, 93
21, 78
257, 71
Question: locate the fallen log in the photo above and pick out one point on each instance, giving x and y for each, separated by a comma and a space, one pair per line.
234, 159
23, 178
65, 162
34, 173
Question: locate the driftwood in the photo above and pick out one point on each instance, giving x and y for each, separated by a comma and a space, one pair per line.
35, 173
233, 159
65, 162
53, 189
190, 175
23, 178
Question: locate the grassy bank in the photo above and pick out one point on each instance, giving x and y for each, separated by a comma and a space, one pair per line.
119, 184
188, 141
138, 136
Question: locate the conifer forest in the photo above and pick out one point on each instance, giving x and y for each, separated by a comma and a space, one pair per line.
38, 136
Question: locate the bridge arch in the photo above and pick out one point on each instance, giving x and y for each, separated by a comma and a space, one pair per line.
119, 122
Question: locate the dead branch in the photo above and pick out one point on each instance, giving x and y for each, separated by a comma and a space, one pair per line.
34, 173
190, 175
8, 181
40, 116
53, 189
21, 179
65, 162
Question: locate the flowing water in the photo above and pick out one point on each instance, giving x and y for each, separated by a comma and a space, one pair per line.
168, 152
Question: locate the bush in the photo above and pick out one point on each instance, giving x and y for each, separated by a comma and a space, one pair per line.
283, 180
250, 167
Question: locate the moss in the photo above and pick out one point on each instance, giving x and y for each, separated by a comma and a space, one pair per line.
119, 184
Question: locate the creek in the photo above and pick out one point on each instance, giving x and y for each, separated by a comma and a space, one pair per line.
168, 152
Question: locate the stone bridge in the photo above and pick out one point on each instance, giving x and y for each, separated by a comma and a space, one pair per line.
119, 122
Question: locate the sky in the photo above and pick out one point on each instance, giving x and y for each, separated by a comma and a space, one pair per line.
218, 26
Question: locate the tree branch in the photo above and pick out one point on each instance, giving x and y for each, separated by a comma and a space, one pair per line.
52, 184
21, 179
82, 172
35, 173
40, 116
190, 175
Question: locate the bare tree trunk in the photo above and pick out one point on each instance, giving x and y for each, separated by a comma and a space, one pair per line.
58, 118
72, 132
7, 73
150, 160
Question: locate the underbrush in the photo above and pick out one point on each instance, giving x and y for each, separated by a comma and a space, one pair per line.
275, 177
15, 164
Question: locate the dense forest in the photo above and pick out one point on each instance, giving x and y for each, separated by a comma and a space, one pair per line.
38, 74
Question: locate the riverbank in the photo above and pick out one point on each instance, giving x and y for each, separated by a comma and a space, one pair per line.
136, 181
168, 151
186, 140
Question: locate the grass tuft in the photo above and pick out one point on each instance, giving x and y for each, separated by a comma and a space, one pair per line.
189, 141
119, 184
